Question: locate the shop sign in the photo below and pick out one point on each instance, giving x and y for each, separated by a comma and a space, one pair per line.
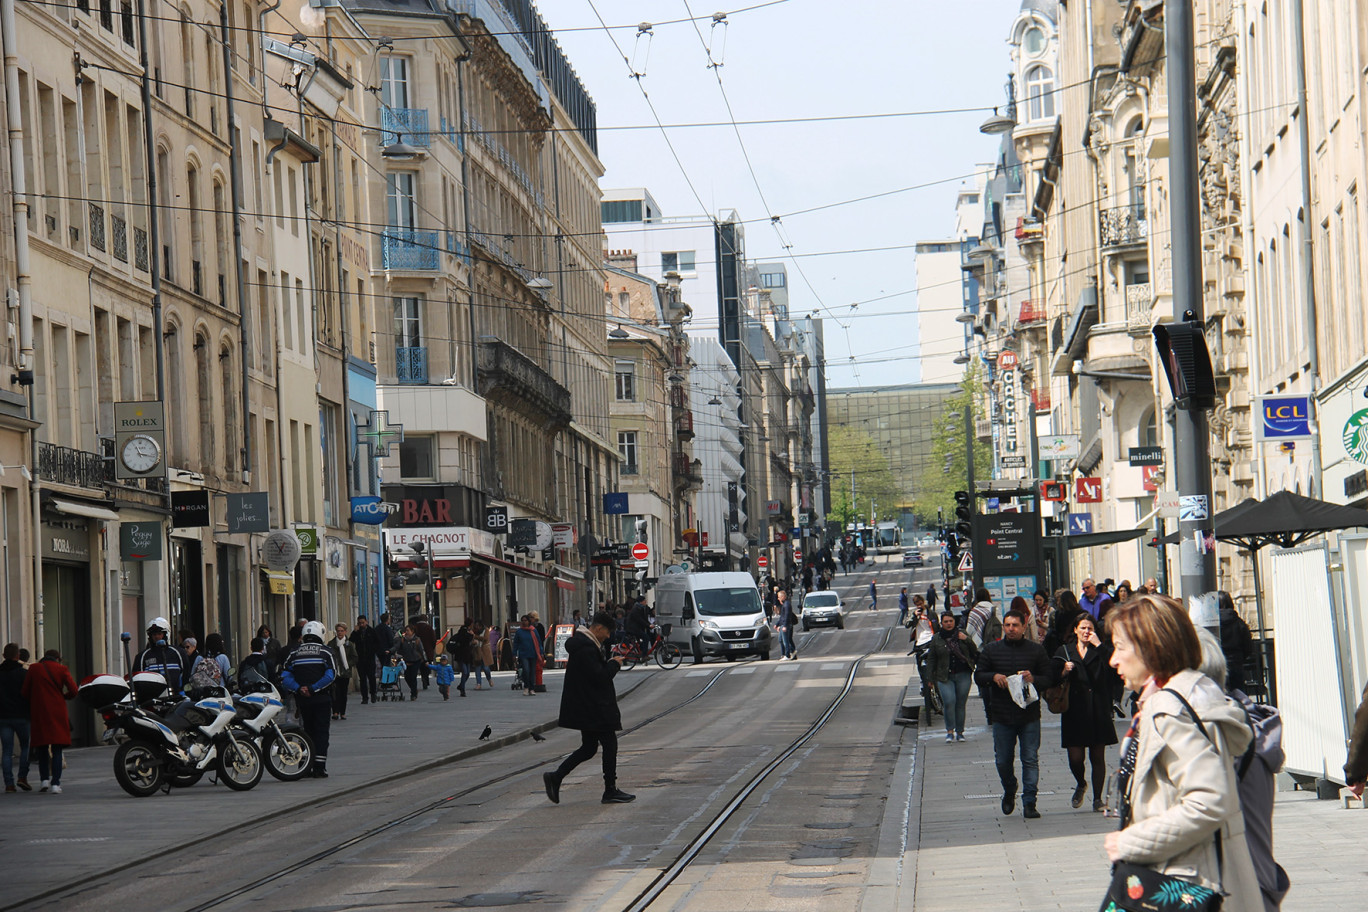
1355, 436
249, 512
443, 542
189, 509
308, 541
66, 541
281, 583
564, 535
1285, 418
1011, 407
335, 562
371, 510
140, 541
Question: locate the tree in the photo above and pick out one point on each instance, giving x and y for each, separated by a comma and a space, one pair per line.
949, 472
852, 450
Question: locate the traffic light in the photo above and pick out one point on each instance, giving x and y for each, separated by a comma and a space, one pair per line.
964, 514
1187, 363
438, 583
641, 530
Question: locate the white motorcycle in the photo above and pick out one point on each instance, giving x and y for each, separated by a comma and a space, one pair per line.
176, 749
286, 750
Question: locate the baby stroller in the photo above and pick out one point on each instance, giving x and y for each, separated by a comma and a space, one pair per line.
392, 681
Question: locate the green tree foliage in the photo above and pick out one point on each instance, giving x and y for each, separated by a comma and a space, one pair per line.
854, 450
948, 471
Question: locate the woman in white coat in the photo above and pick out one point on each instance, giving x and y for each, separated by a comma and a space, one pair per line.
1179, 784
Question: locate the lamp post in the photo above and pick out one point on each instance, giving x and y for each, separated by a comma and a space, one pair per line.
969, 459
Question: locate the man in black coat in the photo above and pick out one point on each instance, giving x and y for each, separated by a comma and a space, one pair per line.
589, 703
999, 660
367, 653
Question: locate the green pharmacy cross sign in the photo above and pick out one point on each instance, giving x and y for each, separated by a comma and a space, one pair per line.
379, 433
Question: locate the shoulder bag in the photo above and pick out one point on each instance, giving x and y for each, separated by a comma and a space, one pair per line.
1136, 888
1057, 697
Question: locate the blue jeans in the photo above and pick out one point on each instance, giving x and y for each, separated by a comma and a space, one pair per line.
9, 730
1005, 738
529, 671
786, 647
954, 695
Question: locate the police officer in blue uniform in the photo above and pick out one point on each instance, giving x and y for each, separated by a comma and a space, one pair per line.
308, 673
163, 658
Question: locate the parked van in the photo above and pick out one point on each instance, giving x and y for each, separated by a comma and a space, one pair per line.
713, 614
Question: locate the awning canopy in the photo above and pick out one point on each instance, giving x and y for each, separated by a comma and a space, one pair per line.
75, 508
1098, 539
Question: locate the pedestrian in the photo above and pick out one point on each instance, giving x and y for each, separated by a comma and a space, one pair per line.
459, 648
1237, 643
213, 650
445, 675
1040, 607
1033, 632
428, 637
1356, 766
1086, 727
308, 673
255, 668
873, 595
507, 660
902, 607
162, 658
384, 640
14, 719
1256, 772
1066, 611
411, 650
345, 659
786, 619
190, 646
527, 650
981, 621
1178, 793
577, 618
1123, 593
272, 644
951, 669
363, 638
931, 597
480, 654
1013, 723
47, 686
1152, 586
1094, 600
589, 704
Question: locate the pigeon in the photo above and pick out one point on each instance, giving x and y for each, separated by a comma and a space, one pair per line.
537, 736
484, 735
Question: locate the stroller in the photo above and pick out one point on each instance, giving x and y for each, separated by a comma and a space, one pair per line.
392, 681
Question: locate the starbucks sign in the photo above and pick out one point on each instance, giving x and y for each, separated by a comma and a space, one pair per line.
1356, 436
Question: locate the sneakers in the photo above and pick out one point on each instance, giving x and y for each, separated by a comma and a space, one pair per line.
1099, 805
1008, 803
949, 738
1077, 800
553, 787
56, 790
1029, 812
44, 785
959, 736
617, 796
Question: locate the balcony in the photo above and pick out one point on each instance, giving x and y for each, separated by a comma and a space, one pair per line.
506, 375
678, 397
1040, 399
411, 364
97, 227
686, 473
1123, 226
410, 123
63, 465
404, 248
684, 428
629, 468
1031, 314
140, 248
1139, 308
119, 230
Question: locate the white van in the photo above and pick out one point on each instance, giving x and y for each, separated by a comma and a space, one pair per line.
713, 614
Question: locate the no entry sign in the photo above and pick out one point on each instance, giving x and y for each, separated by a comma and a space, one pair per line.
641, 551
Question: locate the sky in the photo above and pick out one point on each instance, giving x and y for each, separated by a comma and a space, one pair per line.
802, 59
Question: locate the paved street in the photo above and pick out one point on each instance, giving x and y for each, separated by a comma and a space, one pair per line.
419, 814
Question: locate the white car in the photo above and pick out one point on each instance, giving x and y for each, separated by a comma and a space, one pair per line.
823, 607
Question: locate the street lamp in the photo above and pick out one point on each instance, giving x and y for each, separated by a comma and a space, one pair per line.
400, 151
998, 124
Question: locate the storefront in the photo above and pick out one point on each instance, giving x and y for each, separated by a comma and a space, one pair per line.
68, 618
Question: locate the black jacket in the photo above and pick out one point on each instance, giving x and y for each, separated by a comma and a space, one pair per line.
13, 704
589, 701
1007, 657
938, 666
366, 643
167, 661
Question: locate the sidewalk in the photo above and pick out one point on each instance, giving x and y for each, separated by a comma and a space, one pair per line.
970, 856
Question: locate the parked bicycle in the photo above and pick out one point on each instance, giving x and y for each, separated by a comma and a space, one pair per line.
666, 655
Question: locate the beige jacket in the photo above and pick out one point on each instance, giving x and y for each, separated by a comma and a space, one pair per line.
1184, 789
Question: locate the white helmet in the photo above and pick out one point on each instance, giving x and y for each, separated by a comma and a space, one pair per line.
313, 629
160, 624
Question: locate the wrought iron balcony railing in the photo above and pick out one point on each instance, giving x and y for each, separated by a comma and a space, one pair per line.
410, 124
97, 226
503, 372
1124, 225
404, 248
411, 364
63, 465
119, 230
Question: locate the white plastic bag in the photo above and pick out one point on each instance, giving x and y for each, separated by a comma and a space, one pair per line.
1023, 693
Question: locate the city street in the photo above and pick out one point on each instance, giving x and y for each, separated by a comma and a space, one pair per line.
419, 814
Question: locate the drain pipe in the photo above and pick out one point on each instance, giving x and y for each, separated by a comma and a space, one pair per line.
235, 176
24, 280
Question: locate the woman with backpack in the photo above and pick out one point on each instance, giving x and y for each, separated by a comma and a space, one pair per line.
209, 667
1086, 727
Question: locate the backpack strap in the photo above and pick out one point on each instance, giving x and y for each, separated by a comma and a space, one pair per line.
1220, 855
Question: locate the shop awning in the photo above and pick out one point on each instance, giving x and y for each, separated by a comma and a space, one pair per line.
73, 508
509, 565
280, 581
565, 584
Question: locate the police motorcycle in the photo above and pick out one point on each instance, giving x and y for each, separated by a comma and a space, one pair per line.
171, 743
285, 749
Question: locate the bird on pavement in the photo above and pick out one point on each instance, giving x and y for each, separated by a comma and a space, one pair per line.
484, 735
536, 736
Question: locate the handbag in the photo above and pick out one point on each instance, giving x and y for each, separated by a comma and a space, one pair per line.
1136, 888
1057, 697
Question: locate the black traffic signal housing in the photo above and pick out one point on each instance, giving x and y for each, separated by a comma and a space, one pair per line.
1183, 354
964, 514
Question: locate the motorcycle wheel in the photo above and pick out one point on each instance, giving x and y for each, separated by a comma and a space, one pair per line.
669, 656
288, 757
239, 764
184, 780
139, 768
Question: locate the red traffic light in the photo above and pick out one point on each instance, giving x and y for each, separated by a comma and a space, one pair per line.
438, 584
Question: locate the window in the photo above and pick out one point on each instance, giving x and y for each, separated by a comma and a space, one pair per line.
394, 82
620, 211
677, 261
772, 280
1040, 92
626, 381
408, 322
1033, 41
415, 458
627, 450
400, 200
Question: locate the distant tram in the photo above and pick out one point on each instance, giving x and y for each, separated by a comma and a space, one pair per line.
888, 538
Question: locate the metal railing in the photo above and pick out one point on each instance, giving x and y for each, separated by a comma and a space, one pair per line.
63, 465
1124, 225
119, 232
629, 468
140, 258
409, 124
502, 367
411, 364
404, 248
684, 425
1031, 313
97, 226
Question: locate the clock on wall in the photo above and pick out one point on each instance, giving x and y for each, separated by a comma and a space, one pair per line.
140, 454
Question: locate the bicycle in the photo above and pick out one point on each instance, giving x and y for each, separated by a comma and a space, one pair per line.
666, 655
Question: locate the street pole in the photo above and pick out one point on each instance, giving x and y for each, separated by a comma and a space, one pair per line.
1191, 456
969, 480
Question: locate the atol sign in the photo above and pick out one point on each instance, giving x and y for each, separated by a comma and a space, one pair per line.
371, 510
1284, 418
